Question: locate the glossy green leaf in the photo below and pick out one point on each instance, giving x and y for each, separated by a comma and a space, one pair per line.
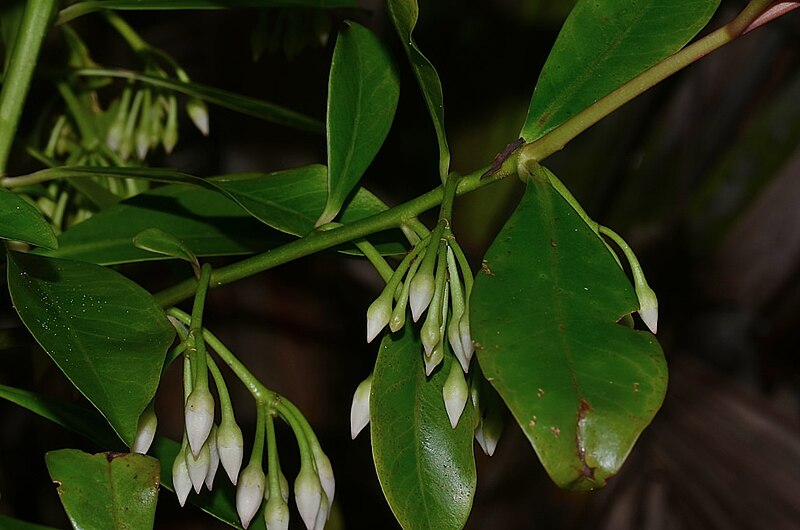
425, 467
604, 44
10, 523
105, 333
404, 15
113, 491
205, 221
229, 100
89, 423
544, 313
21, 221
362, 98
160, 242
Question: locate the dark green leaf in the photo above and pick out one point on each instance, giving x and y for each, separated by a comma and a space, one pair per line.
362, 98
404, 15
9, 523
114, 491
544, 317
82, 8
604, 44
229, 100
160, 242
21, 221
425, 467
103, 331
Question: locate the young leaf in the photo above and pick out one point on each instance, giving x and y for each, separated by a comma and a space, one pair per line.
426, 467
404, 15
105, 333
604, 44
106, 490
544, 317
362, 97
23, 222
160, 242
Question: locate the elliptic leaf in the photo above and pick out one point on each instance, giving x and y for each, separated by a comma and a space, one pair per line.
544, 314
363, 90
105, 333
425, 467
159, 242
404, 15
117, 491
604, 44
21, 221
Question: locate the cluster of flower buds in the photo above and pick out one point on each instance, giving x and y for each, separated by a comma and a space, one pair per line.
435, 278
488, 406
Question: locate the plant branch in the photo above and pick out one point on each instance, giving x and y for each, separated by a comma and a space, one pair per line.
554, 141
35, 23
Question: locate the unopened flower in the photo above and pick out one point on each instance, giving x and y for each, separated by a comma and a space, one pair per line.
284, 485
250, 492
359, 410
322, 514
421, 292
181, 482
455, 393
308, 494
214, 458
276, 514
378, 315
324, 471
230, 446
198, 112
199, 418
145, 431
198, 467
648, 306
435, 358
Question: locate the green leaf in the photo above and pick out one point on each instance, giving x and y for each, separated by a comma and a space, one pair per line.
544, 313
160, 242
404, 15
107, 490
105, 333
208, 223
21, 221
229, 100
425, 467
362, 98
604, 44
83, 8
9, 523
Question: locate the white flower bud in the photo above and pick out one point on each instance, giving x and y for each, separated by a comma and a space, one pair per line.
198, 467
145, 431
199, 114
214, 456
230, 446
421, 293
308, 495
250, 492
468, 348
199, 418
455, 392
436, 357
322, 514
181, 482
325, 472
378, 315
276, 514
359, 410
648, 306
284, 485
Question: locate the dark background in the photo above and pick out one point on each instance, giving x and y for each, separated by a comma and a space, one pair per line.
701, 175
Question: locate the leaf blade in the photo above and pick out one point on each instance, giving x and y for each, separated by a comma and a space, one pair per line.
21, 221
545, 312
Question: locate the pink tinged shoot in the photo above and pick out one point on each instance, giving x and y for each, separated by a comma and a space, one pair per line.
181, 482
145, 431
455, 393
230, 446
308, 494
214, 454
359, 410
250, 492
199, 417
198, 467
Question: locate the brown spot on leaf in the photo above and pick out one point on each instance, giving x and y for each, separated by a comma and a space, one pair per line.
478, 345
485, 268
540, 393
636, 387
556, 431
110, 455
532, 423
553, 243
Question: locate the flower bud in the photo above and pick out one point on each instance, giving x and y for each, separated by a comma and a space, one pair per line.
455, 392
436, 357
467, 347
199, 417
322, 514
181, 482
214, 458
359, 410
308, 495
421, 292
276, 514
145, 430
198, 467
378, 315
284, 485
250, 492
430, 332
648, 306
230, 446
170, 135
325, 472
198, 113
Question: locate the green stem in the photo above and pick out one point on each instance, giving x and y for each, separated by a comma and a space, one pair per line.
561, 135
199, 364
35, 23
258, 441
133, 39
273, 464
